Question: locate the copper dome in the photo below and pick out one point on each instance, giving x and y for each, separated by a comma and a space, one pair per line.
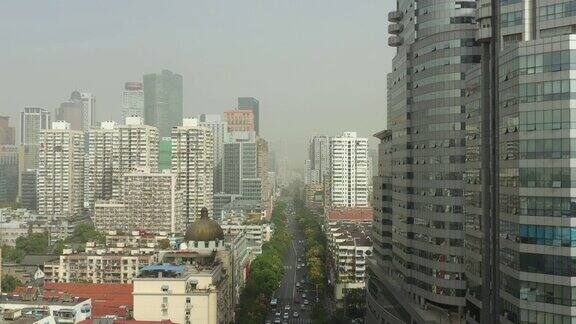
204, 229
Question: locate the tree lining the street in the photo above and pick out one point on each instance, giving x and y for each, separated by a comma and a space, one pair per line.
266, 272
315, 256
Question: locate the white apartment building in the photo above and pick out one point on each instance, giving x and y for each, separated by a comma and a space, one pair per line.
193, 164
149, 201
349, 170
132, 100
256, 234
349, 245
61, 171
115, 149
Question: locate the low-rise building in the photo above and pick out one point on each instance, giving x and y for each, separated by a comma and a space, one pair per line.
98, 265
29, 304
349, 245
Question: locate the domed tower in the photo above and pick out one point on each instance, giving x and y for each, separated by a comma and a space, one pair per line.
204, 233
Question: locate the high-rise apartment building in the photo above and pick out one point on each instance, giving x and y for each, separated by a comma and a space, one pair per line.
193, 164
263, 167
61, 171
252, 104
219, 129
7, 132
132, 100
163, 101
239, 120
115, 149
417, 274
348, 170
148, 201
319, 160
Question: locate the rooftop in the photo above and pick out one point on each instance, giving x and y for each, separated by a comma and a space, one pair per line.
107, 299
352, 214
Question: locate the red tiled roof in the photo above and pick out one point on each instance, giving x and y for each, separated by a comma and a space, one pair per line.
353, 214
107, 299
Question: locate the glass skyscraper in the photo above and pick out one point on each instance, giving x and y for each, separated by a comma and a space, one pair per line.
163, 101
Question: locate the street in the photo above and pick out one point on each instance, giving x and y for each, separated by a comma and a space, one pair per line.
294, 290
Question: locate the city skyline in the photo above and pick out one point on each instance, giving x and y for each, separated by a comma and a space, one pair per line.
228, 55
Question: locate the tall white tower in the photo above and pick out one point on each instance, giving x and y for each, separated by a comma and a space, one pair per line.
193, 163
61, 171
349, 171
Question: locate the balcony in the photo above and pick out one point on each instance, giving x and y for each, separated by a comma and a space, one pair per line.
395, 28
395, 16
395, 41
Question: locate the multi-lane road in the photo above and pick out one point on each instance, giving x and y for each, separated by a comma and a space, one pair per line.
294, 284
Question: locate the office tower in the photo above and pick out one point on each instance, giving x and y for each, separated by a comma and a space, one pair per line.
349, 171
72, 111
32, 121
423, 281
163, 105
115, 149
88, 110
132, 100
7, 133
319, 157
252, 104
61, 171
28, 190
148, 201
193, 164
8, 173
165, 154
262, 157
239, 120
219, 129
240, 166
519, 209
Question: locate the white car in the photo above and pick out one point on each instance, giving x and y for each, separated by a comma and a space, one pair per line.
286, 315
295, 314
287, 307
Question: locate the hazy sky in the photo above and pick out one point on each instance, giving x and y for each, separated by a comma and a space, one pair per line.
317, 66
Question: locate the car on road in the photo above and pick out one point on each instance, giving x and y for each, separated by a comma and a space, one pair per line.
297, 300
297, 284
278, 313
277, 320
306, 302
286, 315
295, 314
303, 295
287, 307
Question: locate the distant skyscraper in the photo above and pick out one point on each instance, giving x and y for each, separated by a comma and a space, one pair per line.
251, 103
263, 158
239, 120
163, 101
115, 149
193, 164
132, 100
61, 171
319, 157
7, 133
72, 111
88, 110
349, 170
219, 129
8, 173
32, 121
